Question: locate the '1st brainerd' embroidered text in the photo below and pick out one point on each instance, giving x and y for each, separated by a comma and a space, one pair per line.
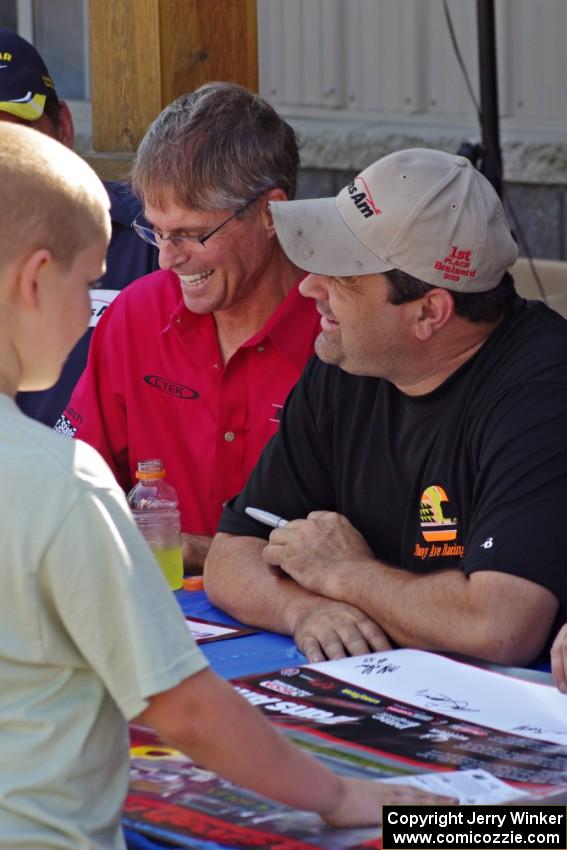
456, 264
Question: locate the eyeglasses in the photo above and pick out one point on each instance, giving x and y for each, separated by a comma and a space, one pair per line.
157, 238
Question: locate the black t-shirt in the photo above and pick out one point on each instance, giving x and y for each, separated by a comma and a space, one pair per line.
471, 476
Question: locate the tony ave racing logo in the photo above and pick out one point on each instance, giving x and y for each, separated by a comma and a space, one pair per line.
438, 530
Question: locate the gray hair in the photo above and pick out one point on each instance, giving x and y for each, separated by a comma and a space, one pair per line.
219, 147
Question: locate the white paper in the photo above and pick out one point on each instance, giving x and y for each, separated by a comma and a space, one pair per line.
458, 690
469, 787
202, 631
100, 300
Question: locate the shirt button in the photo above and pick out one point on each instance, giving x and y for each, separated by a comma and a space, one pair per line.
229, 436
260, 348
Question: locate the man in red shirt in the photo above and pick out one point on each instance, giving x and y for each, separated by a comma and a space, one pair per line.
193, 363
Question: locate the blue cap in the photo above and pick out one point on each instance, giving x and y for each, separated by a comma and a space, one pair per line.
25, 83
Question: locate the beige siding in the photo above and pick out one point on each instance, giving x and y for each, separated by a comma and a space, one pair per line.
393, 60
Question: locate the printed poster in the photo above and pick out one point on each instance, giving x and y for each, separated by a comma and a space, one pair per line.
348, 715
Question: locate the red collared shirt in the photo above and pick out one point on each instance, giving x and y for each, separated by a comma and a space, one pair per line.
155, 386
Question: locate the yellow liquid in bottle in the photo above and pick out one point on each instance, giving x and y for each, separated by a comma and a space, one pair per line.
171, 562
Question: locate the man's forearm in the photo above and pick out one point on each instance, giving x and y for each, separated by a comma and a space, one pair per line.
194, 548
495, 616
489, 614
238, 580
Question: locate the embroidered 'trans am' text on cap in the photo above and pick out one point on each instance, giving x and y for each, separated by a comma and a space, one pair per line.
428, 213
25, 83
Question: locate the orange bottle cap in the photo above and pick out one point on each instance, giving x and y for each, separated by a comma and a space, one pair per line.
193, 583
146, 476
152, 468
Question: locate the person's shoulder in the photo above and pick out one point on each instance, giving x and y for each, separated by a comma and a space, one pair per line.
547, 317
534, 338
530, 314
527, 349
56, 464
90, 468
124, 205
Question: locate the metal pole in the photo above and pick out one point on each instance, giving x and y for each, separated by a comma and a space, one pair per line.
488, 77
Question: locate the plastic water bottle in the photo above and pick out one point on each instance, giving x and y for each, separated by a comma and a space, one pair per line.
153, 503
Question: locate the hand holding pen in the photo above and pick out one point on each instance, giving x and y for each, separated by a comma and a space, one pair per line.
314, 552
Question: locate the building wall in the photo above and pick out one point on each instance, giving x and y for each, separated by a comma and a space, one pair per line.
360, 78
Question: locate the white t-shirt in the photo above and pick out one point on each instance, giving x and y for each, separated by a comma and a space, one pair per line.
88, 631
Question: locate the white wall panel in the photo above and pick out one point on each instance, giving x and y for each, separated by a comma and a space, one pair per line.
535, 32
414, 36
293, 56
333, 60
394, 60
271, 48
302, 52
390, 45
448, 93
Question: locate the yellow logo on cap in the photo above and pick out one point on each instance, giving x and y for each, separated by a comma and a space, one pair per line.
29, 110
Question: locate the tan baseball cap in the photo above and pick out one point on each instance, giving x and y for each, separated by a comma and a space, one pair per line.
428, 213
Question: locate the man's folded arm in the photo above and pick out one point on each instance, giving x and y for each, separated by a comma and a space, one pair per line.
485, 613
491, 615
238, 580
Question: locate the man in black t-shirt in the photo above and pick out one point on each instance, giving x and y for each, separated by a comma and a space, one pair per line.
421, 460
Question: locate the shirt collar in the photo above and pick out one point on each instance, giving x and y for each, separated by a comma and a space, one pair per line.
290, 328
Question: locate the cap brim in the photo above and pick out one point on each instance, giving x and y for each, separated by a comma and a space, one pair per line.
28, 110
315, 237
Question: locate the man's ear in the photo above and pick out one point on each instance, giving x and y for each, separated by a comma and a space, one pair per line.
433, 311
30, 275
66, 129
272, 195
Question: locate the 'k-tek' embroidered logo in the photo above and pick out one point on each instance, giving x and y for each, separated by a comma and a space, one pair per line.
171, 387
456, 264
438, 530
362, 198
